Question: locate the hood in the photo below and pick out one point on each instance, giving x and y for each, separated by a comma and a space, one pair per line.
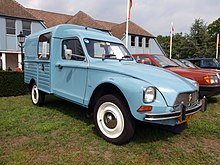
194, 74
190, 70
168, 83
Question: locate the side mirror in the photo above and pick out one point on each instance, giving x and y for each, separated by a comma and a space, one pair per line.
68, 54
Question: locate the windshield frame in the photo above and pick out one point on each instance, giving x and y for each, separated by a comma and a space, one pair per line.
155, 47
125, 52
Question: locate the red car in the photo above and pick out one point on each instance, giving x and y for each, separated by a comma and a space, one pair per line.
209, 81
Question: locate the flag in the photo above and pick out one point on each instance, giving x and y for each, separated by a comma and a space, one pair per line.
129, 9
172, 28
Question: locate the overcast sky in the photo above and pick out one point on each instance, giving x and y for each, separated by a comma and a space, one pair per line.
154, 16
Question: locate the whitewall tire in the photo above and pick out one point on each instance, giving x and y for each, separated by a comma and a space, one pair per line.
37, 96
113, 120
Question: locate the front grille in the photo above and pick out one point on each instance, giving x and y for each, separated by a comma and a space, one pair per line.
188, 99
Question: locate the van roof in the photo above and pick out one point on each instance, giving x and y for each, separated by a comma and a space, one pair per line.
69, 30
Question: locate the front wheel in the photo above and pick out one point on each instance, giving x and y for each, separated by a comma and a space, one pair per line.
113, 120
37, 96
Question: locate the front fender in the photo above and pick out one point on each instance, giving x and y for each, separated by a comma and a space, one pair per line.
133, 92
131, 88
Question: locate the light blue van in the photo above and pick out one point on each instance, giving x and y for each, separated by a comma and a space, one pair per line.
95, 70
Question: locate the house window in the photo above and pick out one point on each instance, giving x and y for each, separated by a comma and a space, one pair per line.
146, 42
10, 26
26, 26
44, 46
72, 50
140, 41
132, 40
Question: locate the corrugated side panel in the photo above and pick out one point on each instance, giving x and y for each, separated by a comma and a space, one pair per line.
30, 71
44, 77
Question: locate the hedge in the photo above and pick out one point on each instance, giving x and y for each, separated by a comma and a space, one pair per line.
12, 83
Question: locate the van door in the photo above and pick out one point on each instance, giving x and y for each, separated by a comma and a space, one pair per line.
43, 63
71, 72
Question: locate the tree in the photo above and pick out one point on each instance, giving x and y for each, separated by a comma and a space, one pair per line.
164, 42
180, 46
199, 39
213, 30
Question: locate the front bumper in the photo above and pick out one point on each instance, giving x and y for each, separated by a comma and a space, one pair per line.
180, 112
209, 90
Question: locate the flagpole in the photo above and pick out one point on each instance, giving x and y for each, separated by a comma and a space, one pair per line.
217, 43
171, 39
127, 20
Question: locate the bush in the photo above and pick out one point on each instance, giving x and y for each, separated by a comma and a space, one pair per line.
12, 84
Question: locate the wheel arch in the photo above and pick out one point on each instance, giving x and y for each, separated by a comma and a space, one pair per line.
32, 81
104, 89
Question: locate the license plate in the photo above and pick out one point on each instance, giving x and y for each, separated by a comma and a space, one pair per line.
185, 120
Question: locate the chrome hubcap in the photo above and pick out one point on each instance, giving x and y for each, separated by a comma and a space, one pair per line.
110, 120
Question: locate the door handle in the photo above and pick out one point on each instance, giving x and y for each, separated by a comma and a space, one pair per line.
60, 66
42, 67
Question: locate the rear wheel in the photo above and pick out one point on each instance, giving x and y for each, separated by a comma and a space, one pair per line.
37, 96
113, 120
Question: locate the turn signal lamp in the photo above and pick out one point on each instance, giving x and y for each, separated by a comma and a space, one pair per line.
144, 108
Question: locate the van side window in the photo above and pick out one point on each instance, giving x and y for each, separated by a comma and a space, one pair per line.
72, 50
44, 46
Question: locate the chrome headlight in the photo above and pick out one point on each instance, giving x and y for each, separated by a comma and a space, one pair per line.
211, 79
214, 79
149, 94
196, 85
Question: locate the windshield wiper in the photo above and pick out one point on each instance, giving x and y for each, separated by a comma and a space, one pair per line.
125, 57
167, 66
104, 56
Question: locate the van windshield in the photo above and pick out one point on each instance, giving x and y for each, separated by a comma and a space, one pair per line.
104, 50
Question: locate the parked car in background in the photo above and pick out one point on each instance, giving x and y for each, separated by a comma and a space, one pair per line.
180, 63
209, 82
191, 65
188, 63
95, 70
209, 63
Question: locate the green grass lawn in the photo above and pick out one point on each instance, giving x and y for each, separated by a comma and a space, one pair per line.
60, 133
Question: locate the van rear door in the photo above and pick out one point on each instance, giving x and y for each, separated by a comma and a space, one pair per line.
43, 63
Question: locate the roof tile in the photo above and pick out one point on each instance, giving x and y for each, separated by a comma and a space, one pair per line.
81, 18
14, 9
50, 18
120, 29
